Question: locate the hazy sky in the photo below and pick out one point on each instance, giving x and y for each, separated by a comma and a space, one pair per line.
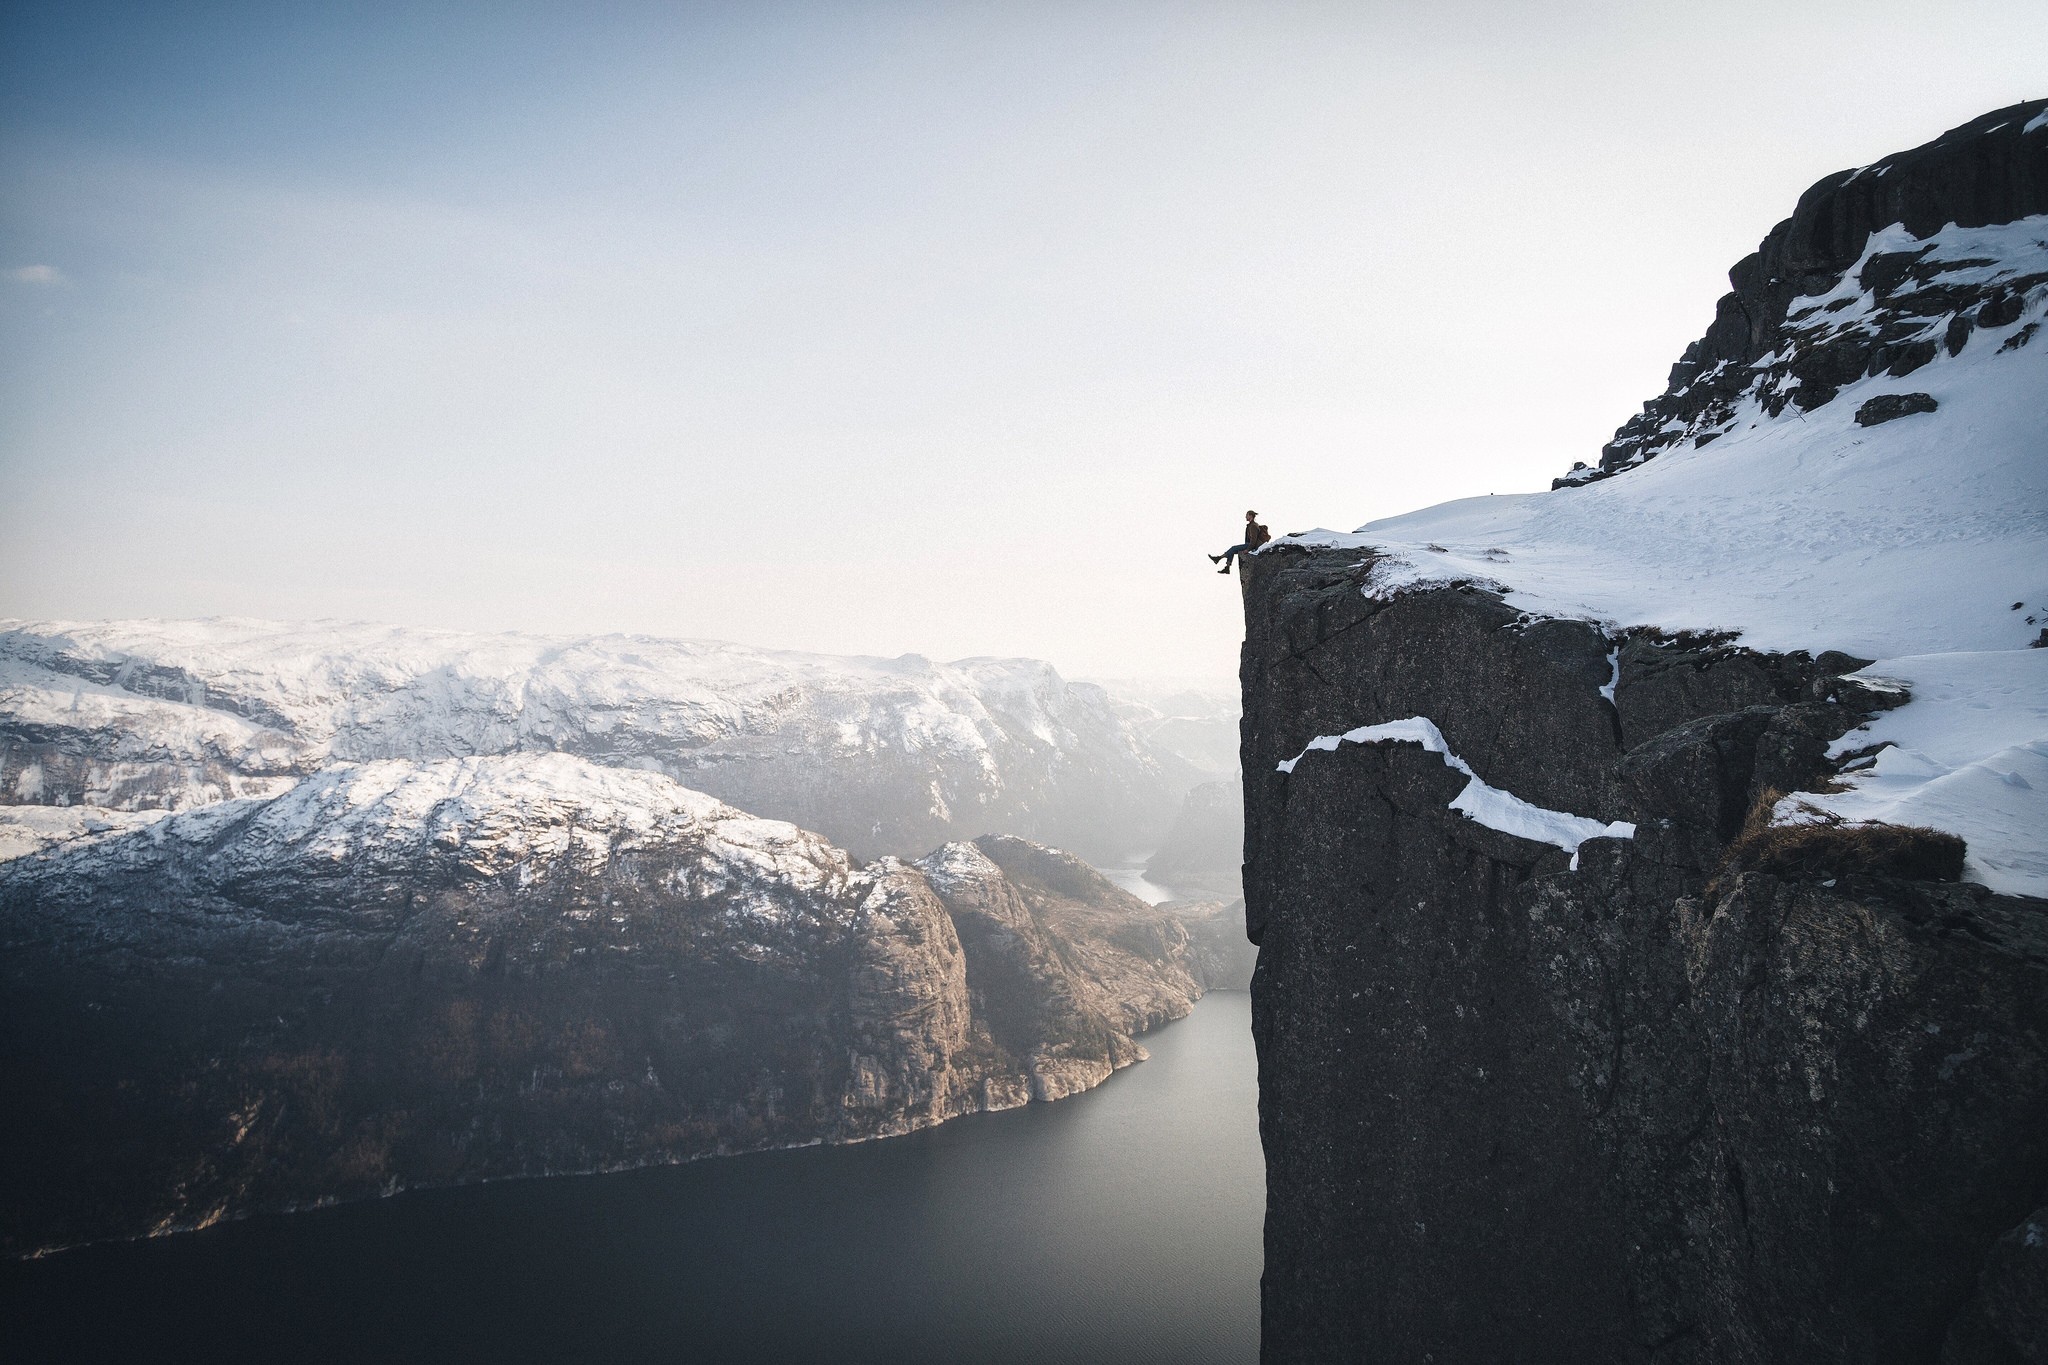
866, 328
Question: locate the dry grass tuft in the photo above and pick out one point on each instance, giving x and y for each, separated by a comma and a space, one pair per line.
1831, 847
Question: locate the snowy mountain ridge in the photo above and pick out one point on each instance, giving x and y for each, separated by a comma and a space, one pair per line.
881, 755
488, 817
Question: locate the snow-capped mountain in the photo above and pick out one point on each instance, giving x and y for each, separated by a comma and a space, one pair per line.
881, 755
403, 972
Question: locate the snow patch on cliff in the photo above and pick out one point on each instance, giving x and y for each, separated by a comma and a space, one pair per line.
1967, 755
1479, 801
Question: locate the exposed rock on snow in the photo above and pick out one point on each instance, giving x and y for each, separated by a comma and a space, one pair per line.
408, 973
883, 755
1888, 407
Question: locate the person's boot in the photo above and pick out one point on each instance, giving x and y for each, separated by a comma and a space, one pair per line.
1224, 569
1215, 559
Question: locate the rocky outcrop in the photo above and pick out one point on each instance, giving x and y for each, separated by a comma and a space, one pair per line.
1065, 968
402, 974
1623, 1103
1819, 306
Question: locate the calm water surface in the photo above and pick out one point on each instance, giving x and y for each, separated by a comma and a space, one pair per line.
1120, 1225
1132, 879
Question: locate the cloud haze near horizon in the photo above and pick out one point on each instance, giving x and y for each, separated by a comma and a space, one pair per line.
866, 328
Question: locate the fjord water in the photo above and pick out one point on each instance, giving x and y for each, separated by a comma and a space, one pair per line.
1118, 1225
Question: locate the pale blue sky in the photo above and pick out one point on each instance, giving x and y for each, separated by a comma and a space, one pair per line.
866, 327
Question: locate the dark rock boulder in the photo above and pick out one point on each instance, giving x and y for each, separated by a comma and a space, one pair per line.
1888, 407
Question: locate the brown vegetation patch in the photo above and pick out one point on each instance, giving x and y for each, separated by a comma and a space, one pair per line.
1831, 847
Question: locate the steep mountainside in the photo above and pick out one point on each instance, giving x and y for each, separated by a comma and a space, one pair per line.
402, 973
882, 755
1595, 1021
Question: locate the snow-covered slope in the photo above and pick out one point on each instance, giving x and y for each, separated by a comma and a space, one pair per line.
1869, 476
879, 754
351, 823
1803, 530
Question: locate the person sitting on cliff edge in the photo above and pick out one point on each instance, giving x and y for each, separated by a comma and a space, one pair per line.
1255, 535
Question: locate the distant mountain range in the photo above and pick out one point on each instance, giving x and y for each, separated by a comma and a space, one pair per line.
879, 755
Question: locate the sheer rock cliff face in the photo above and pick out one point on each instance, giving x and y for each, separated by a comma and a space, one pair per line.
402, 975
1640, 1110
